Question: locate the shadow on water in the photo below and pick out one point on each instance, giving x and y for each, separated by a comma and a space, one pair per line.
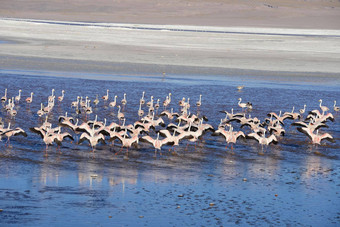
200, 184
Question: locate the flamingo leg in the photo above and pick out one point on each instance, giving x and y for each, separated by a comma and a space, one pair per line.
46, 151
119, 151
232, 148
186, 147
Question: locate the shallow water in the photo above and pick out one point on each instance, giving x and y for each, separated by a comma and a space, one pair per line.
292, 183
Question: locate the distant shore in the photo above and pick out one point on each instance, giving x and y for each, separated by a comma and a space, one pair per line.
307, 14
151, 49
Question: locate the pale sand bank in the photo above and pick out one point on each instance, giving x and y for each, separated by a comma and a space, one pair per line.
141, 48
315, 14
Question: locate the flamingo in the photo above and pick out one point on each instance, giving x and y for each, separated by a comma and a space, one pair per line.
96, 101
317, 116
231, 115
12, 132
70, 125
140, 111
47, 124
90, 122
292, 115
170, 115
336, 108
4, 98
88, 108
49, 106
316, 138
9, 105
323, 108
113, 104
48, 136
311, 126
83, 103
123, 101
157, 105
150, 103
41, 112
12, 112
142, 100
120, 115
276, 128
61, 98
75, 103
233, 136
106, 97
230, 135
51, 97
199, 103
65, 118
30, 99
187, 104
59, 137
240, 87
173, 138
278, 117
156, 143
302, 111
167, 101
181, 102
93, 140
18, 97
263, 140
127, 141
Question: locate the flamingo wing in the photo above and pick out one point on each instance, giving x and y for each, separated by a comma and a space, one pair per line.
328, 137
148, 139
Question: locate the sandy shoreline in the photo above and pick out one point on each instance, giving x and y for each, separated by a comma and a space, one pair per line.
312, 14
109, 47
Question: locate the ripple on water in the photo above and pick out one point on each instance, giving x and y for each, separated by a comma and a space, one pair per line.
290, 178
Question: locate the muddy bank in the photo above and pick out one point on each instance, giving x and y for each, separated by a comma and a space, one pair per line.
43, 45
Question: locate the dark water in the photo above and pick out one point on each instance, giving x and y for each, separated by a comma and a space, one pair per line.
292, 183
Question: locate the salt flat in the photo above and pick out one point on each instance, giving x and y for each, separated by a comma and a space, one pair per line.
68, 46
